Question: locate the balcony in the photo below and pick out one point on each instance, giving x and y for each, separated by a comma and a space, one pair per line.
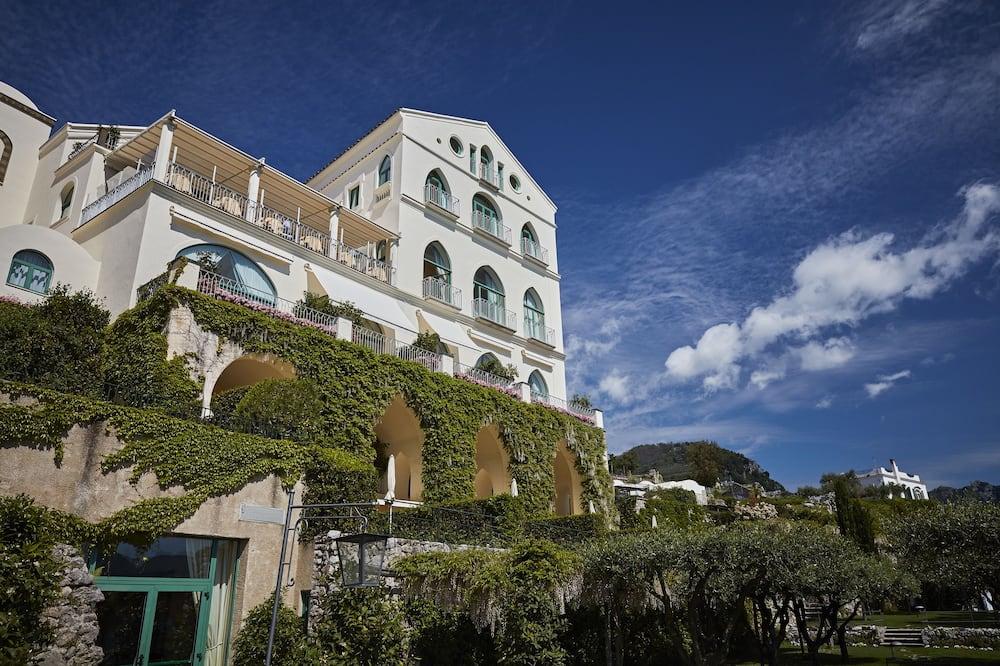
491, 226
380, 344
585, 414
125, 188
442, 290
494, 313
483, 378
533, 250
229, 201
490, 176
445, 201
537, 330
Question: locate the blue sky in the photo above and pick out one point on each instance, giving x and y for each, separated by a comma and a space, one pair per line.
778, 221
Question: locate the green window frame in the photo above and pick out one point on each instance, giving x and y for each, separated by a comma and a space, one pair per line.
534, 314
31, 270
354, 197
537, 383
482, 205
436, 263
529, 233
487, 286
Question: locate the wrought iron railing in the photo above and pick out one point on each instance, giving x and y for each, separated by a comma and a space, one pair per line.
491, 175
227, 289
558, 404
530, 248
206, 190
484, 378
146, 290
537, 330
442, 199
442, 290
494, 312
381, 344
492, 225
125, 188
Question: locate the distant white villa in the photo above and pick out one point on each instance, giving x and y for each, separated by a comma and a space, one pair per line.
640, 488
911, 485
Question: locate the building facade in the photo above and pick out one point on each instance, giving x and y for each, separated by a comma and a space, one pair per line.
901, 484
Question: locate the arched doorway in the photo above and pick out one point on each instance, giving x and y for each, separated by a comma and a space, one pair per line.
492, 464
250, 370
567, 482
398, 434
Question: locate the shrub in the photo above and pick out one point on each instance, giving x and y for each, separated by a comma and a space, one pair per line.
361, 627
428, 341
492, 365
290, 645
275, 408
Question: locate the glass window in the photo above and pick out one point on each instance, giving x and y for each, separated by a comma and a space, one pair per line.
354, 197
528, 233
456, 145
483, 206
534, 315
434, 179
65, 201
486, 285
30, 270
537, 383
436, 263
486, 159
232, 265
167, 557
515, 183
385, 171
472, 159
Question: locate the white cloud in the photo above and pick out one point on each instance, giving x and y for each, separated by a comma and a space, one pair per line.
825, 402
885, 382
617, 387
889, 22
840, 283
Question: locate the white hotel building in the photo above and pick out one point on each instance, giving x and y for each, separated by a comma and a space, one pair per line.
426, 223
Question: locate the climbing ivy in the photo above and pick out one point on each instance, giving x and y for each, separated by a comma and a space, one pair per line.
204, 460
357, 385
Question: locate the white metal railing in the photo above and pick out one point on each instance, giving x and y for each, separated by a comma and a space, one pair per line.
530, 248
490, 175
380, 344
491, 225
442, 290
204, 189
484, 378
494, 312
537, 330
442, 199
228, 289
80, 148
125, 188
580, 412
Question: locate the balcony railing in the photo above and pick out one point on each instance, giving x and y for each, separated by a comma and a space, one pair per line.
125, 188
198, 186
537, 330
560, 405
444, 200
380, 344
530, 248
491, 225
494, 312
228, 289
483, 378
442, 290
491, 176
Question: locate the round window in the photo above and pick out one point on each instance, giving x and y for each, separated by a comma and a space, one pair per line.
515, 183
456, 145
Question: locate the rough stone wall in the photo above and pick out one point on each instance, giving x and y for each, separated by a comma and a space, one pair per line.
986, 639
73, 616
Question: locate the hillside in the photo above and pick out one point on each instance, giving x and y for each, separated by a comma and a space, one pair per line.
705, 462
977, 490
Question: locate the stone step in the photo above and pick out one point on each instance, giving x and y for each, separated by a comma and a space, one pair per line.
912, 637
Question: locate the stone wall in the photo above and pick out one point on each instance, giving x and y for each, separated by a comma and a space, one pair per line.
73, 615
987, 639
868, 634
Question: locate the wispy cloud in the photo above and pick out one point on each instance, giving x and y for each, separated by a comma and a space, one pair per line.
885, 24
885, 382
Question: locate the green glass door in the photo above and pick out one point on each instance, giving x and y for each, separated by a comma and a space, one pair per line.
158, 602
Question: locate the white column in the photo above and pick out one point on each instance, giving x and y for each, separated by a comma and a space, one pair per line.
334, 232
599, 419
448, 364
345, 329
393, 254
523, 391
253, 190
163, 148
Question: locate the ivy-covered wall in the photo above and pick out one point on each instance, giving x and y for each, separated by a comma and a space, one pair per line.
355, 388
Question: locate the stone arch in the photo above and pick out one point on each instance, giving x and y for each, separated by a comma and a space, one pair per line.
234, 369
492, 464
398, 433
566, 478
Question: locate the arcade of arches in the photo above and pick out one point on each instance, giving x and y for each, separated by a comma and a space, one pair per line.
567, 482
399, 435
252, 369
492, 464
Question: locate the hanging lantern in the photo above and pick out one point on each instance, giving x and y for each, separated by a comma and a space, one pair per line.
361, 557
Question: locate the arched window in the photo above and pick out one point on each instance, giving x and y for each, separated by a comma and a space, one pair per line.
537, 383
487, 360
436, 263
31, 270
385, 171
534, 316
436, 190
486, 159
236, 271
65, 200
528, 234
485, 207
6, 148
487, 286
435, 179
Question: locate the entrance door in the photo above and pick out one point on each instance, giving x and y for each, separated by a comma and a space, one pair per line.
158, 602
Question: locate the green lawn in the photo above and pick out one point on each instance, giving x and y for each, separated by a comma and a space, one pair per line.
936, 618
883, 655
